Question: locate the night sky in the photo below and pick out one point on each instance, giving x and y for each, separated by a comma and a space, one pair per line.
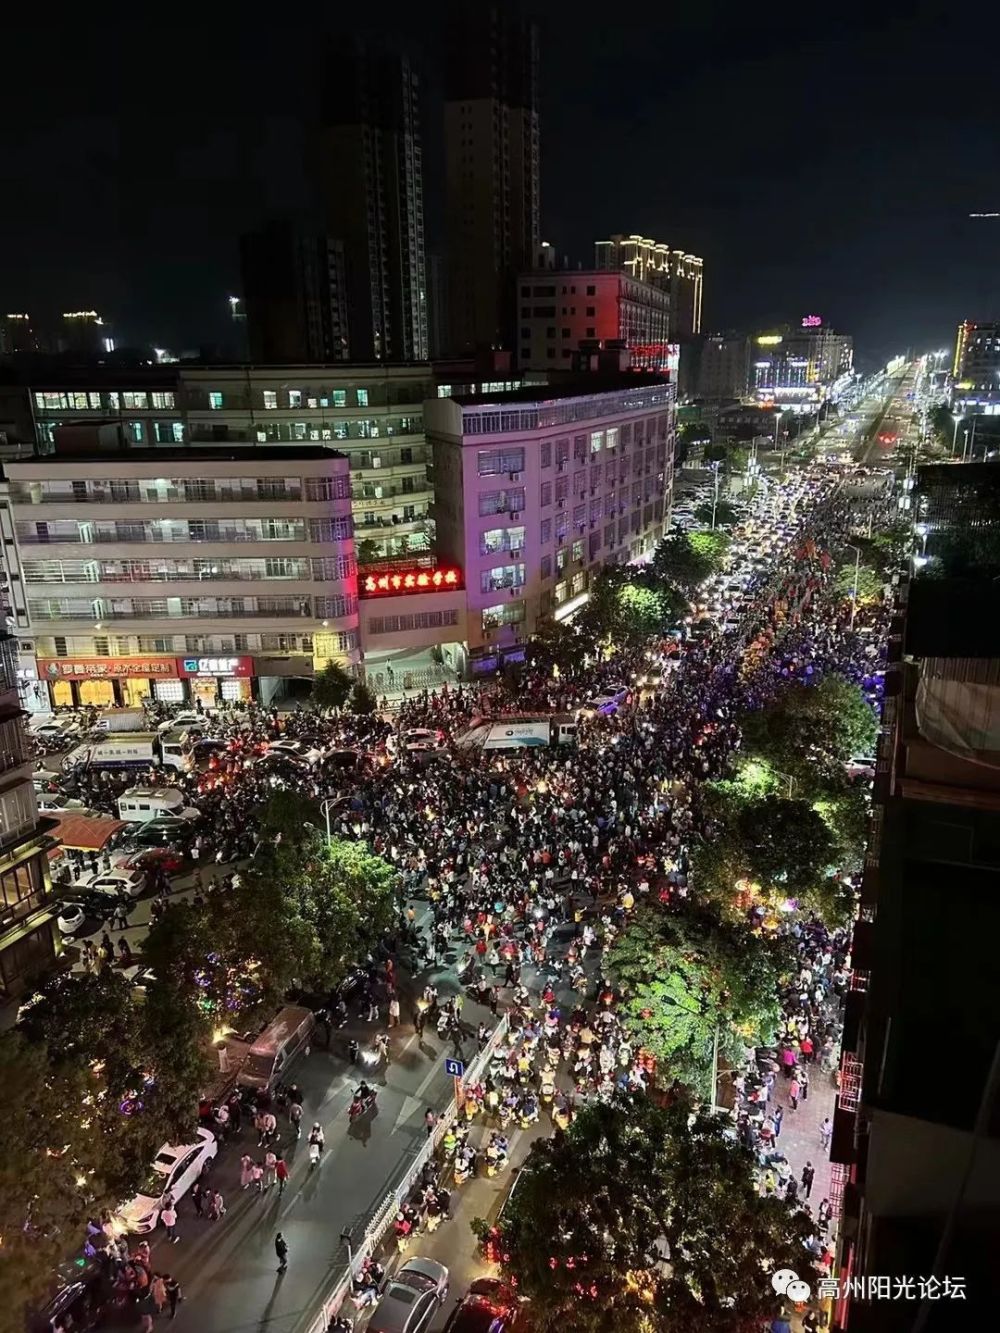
823, 159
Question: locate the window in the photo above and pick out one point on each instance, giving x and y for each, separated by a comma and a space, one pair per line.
591, 333
498, 502
270, 399
562, 555
362, 397
611, 438
565, 333
593, 545
504, 613
340, 397
135, 401
500, 577
545, 495
214, 399
591, 290
494, 462
177, 430
546, 567
577, 552
580, 448
135, 428
596, 441
294, 397
591, 310
545, 531
545, 453
163, 400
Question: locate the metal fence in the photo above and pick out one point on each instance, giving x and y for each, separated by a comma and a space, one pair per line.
384, 1214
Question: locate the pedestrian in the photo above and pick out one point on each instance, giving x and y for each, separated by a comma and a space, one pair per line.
793, 1093
382, 1047
174, 1293
295, 1117
803, 1085
430, 1120
216, 1205
823, 1215
281, 1250
825, 1130
168, 1216
270, 1163
372, 1008
198, 1198
281, 1174
482, 1035
494, 1000
419, 1019
393, 1010
256, 1178
246, 1170
779, 1115
158, 1293
808, 1175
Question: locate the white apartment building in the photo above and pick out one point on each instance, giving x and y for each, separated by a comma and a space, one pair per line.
537, 489
181, 573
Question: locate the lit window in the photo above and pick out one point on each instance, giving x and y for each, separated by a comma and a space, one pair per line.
295, 398
136, 429
135, 400
178, 430
214, 399
340, 397
270, 399
362, 398
163, 400
596, 441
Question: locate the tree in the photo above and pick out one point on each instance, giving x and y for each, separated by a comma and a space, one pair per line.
716, 452
680, 563
47, 1189
363, 700
332, 686
562, 647
869, 586
689, 974
629, 606
943, 425
645, 1217
368, 551
786, 845
724, 514
810, 731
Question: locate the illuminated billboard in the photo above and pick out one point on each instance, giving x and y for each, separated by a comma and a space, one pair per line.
400, 582
812, 321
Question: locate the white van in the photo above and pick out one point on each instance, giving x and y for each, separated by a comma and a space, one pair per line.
176, 751
138, 804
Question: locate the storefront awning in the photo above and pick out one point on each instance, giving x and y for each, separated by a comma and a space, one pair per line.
84, 833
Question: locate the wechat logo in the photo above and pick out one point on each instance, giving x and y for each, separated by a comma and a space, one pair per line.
787, 1282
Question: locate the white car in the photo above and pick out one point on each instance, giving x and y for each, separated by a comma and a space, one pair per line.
297, 751
56, 731
423, 738
114, 882
71, 917
411, 1297
189, 721
174, 1168
603, 706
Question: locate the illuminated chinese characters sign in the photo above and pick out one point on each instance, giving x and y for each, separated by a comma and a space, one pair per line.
107, 668
399, 582
812, 321
215, 666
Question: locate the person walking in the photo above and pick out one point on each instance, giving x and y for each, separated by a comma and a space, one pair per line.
808, 1175
216, 1206
803, 1085
198, 1198
270, 1165
295, 1117
158, 1293
430, 1120
281, 1174
382, 1047
168, 1216
174, 1293
778, 1116
793, 1094
246, 1171
393, 1010
281, 1250
825, 1130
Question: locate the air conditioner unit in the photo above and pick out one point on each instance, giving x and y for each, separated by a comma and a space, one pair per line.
376, 461
513, 515
561, 504
515, 476
560, 467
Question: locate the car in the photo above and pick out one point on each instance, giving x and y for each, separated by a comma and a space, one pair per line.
297, 751
188, 720
56, 731
78, 1305
861, 766
423, 738
411, 1297
112, 883
603, 706
487, 1307
175, 1168
71, 917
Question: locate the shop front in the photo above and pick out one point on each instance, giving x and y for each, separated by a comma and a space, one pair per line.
213, 680
34, 693
107, 682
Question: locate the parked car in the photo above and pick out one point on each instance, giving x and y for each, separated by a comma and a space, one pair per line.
63, 730
188, 720
411, 1297
603, 706
487, 1307
174, 1168
71, 917
111, 883
418, 739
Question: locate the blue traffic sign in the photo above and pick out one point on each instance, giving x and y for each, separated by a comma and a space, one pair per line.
456, 1068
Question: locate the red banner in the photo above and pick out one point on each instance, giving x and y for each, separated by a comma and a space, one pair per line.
399, 582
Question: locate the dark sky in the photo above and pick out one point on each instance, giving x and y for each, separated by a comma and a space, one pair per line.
821, 158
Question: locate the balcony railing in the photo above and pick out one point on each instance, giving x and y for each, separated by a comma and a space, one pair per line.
304, 575
133, 495
142, 536
190, 613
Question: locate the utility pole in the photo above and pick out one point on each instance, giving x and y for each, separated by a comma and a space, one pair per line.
857, 571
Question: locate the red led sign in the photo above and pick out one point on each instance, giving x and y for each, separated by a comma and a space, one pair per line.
400, 582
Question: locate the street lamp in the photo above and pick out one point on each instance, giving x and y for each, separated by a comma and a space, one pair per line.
788, 778
854, 591
326, 807
700, 1013
956, 417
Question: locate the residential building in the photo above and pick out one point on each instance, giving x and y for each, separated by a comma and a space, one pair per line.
536, 490
84, 332
653, 262
723, 367
17, 334
371, 159
561, 313
295, 296
976, 369
438, 310
216, 572
916, 1152
797, 369
491, 141
372, 413
28, 941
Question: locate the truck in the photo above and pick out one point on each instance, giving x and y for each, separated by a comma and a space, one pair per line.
114, 720
522, 731
134, 749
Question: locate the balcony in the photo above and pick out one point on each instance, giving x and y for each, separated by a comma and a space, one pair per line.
141, 536
191, 613
172, 495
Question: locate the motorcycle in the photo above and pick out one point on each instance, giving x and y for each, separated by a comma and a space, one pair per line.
314, 1151
362, 1102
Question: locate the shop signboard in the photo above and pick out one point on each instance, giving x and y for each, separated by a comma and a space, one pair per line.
107, 668
214, 666
402, 581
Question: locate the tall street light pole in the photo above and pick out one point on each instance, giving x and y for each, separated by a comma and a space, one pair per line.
854, 591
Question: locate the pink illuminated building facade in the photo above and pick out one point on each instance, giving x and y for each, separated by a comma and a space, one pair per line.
562, 313
536, 490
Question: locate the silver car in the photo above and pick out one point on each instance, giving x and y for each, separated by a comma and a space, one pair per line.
413, 1293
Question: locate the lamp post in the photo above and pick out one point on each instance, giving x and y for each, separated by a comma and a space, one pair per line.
327, 806
700, 1013
854, 591
956, 417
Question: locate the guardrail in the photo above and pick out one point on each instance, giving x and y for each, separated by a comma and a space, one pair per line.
383, 1215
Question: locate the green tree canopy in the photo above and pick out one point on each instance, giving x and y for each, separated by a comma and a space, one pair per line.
363, 700
560, 644
681, 562
644, 1218
628, 606
332, 687
869, 583
685, 974
725, 515
810, 731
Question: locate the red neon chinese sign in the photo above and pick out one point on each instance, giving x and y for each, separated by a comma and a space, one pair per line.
403, 581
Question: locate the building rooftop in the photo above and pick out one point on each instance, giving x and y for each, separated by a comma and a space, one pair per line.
586, 386
249, 453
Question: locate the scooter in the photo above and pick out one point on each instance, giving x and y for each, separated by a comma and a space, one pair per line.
314, 1152
361, 1104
